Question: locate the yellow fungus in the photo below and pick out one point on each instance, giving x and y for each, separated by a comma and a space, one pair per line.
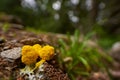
29, 55
39, 63
47, 52
37, 47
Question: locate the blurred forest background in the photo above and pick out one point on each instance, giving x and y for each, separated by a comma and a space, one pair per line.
61, 16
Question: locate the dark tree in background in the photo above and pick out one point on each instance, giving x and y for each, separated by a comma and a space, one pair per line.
112, 13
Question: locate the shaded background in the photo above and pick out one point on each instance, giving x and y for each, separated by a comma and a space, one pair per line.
61, 16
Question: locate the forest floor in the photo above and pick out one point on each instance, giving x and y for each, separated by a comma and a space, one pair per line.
11, 41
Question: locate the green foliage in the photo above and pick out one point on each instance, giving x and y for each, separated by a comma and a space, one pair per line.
105, 39
69, 15
5, 27
30, 29
80, 59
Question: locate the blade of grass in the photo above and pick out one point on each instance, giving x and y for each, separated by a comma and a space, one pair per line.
84, 61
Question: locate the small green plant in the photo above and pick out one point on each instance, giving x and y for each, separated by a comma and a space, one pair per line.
5, 27
78, 59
